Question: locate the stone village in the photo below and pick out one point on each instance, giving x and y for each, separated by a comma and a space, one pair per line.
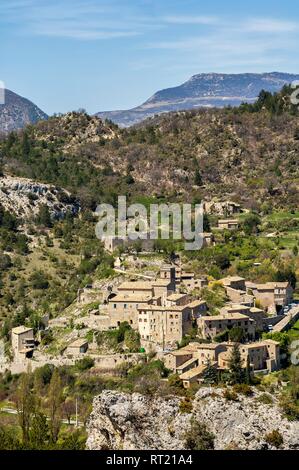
167, 308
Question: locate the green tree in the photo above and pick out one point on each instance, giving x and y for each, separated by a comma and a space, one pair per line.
235, 364
54, 404
44, 216
210, 375
39, 432
198, 178
25, 405
251, 223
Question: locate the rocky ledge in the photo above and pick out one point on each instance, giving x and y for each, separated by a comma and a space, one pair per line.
24, 197
121, 421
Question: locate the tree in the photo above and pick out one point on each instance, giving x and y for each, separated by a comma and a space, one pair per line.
236, 334
251, 223
25, 405
210, 375
206, 223
39, 432
25, 144
54, 405
68, 409
235, 364
44, 216
198, 178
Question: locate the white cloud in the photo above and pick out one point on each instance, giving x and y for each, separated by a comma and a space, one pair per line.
270, 25
188, 19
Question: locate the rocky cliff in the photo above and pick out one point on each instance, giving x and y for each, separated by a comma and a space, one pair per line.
123, 421
24, 197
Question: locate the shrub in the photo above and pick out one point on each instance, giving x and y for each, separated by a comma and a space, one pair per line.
185, 406
274, 439
230, 395
84, 364
198, 437
244, 389
265, 398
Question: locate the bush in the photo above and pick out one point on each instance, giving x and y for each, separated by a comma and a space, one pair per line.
244, 389
265, 398
84, 364
185, 406
39, 280
230, 395
274, 439
198, 437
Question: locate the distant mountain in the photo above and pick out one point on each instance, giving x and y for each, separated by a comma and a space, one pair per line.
203, 90
17, 111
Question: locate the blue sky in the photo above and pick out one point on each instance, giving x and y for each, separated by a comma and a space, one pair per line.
114, 54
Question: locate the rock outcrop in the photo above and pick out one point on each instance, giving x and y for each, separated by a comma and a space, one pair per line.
123, 421
24, 197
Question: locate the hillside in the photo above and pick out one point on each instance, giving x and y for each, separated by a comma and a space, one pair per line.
248, 154
203, 90
17, 112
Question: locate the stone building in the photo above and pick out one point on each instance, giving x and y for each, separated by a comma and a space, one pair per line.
164, 326
211, 326
228, 224
262, 355
23, 343
77, 347
272, 296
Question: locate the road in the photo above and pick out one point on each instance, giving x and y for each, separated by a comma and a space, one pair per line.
292, 316
13, 411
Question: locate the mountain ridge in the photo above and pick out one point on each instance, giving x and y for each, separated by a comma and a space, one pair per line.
17, 112
203, 90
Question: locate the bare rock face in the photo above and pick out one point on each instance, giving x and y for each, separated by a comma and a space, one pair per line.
243, 424
23, 197
121, 421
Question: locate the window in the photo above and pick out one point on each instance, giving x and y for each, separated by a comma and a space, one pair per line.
114, 306
125, 305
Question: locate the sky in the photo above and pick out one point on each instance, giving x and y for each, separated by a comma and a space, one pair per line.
114, 54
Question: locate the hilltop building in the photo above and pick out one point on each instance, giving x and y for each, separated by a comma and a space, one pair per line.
23, 343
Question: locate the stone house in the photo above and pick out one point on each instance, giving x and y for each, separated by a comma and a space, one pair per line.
23, 343
262, 355
77, 347
193, 355
124, 308
228, 224
272, 296
254, 313
211, 326
164, 326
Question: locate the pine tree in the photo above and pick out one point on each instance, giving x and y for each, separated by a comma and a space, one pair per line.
210, 375
25, 145
198, 178
236, 372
